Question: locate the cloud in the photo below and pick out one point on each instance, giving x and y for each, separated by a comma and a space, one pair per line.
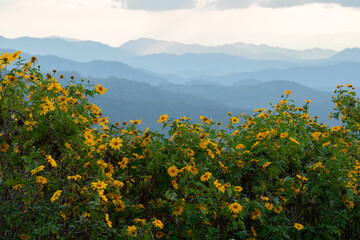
163, 5
157, 5
230, 4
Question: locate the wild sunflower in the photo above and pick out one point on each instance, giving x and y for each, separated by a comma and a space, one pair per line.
51, 161
269, 206
132, 231
278, 209
123, 163
109, 223
5, 58
256, 214
98, 185
159, 235
163, 118
206, 176
4, 147
178, 210
115, 143
235, 207
172, 171
238, 188
55, 196
158, 223
284, 135
100, 89
298, 226
41, 180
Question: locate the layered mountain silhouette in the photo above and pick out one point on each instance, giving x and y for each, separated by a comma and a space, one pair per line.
319, 77
147, 46
147, 78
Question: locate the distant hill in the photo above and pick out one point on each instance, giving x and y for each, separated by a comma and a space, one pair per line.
347, 55
147, 46
260, 95
66, 48
318, 77
91, 50
128, 100
203, 63
100, 69
247, 82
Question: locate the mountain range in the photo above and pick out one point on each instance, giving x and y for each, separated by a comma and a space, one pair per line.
147, 78
91, 50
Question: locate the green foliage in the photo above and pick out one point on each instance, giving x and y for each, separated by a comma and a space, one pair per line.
66, 172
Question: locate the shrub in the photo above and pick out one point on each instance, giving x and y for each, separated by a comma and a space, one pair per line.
66, 172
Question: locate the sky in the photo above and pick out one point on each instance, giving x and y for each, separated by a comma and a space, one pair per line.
296, 24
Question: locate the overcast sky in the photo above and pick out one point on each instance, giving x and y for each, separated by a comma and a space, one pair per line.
297, 24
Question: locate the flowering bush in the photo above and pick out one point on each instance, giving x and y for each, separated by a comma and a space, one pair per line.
66, 172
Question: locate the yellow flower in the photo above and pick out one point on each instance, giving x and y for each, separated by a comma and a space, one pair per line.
336, 128
4, 147
178, 210
278, 209
287, 92
76, 177
293, 140
316, 135
206, 176
118, 184
123, 163
238, 188
256, 214
284, 135
193, 170
235, 207
204, 119
136, 121
100, 89
51, 161
301, 177
108, 221
142, 222
41, 180
175, 185
18, 186
102, 196
115, 143
269, 206
266, 165
5, 58
159, 234
98, 185
158, 223
240, 146
163, 118
55, 196
86, 214
63, 215
132, 231
298, 226
172, 171
234, 119
308, 101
